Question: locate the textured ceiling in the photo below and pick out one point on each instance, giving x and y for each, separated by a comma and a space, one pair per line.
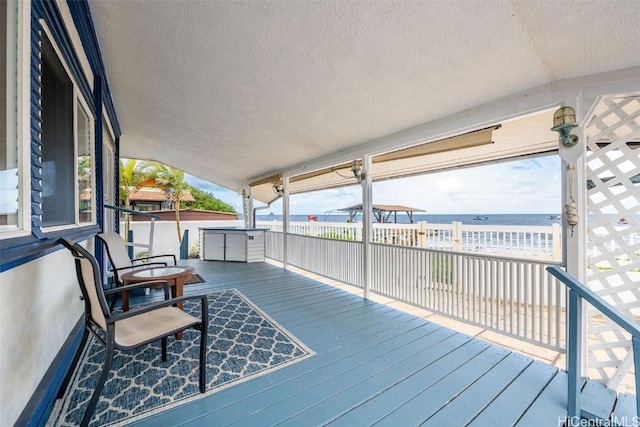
231, 91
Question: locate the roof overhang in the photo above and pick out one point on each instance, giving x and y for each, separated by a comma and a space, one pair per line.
511, 139
233, 92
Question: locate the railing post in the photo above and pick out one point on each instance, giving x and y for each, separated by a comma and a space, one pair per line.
367, 223
313, 229
636, 362
574, 354
557, 242
184, 246
422, 234
130, 240
456, 238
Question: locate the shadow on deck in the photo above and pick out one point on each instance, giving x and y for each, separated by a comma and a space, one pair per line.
373, 365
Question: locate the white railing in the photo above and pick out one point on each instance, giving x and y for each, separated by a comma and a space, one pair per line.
513, 296
540, 242
336, 259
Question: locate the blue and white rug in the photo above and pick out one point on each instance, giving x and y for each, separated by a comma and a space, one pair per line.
243, 343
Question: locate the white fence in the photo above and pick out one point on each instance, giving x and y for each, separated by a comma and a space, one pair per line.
165, 234
514, 296
540, 242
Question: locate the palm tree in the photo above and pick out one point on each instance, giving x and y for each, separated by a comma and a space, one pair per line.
132, 176
171, 180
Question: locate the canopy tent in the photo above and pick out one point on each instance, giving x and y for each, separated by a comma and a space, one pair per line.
381, 213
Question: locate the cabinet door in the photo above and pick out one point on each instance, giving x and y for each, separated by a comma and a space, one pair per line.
213, 246
236, 247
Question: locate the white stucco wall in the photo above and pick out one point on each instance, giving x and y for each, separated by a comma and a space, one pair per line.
40, 306
165, 240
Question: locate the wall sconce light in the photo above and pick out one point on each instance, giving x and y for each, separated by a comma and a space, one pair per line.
356, 168
278, 188
564, 119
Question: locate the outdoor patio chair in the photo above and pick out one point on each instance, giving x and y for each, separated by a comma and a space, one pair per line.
131, 329
120, 261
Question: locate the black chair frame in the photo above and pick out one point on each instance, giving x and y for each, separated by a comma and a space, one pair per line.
107, 337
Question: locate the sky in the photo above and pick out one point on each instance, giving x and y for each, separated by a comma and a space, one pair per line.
525, 186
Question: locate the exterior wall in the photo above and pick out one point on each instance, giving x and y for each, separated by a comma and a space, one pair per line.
40, 295
40, 306
165, 236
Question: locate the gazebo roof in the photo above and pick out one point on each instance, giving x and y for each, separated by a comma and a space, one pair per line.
382, 213
381, 208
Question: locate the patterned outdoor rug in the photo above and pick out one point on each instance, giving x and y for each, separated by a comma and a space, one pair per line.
243, 343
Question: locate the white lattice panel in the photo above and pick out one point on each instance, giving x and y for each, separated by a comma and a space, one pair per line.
613, 172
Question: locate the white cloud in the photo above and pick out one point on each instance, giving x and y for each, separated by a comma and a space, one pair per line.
450, 185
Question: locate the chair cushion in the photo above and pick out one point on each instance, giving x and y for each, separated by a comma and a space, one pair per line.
154, 324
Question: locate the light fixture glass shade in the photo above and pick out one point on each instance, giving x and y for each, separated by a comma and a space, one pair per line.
564, 117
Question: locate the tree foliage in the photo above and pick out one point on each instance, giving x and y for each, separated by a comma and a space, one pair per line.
135, 174
206, 201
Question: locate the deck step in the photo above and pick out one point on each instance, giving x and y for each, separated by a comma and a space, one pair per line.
625, 414
597, 401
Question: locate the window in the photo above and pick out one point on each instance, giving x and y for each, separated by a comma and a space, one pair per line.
109, 190
11, 184
67, 147
85, 166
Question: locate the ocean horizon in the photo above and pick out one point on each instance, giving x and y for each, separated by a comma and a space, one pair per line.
402, 218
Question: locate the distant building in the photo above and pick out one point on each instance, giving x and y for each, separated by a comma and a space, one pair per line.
154, 199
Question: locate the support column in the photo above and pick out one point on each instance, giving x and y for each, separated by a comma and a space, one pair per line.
574, 242
247, 208
285, 220
367, 207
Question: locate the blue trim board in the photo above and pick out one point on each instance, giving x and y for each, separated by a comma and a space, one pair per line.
41, 403
83, 21
48, 10
22, 250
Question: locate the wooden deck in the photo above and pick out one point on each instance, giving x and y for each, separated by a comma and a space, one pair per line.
374, 365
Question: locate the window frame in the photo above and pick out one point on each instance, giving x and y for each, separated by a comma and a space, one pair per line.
78, 100
19, 82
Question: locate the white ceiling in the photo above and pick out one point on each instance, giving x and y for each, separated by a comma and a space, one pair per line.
232, 91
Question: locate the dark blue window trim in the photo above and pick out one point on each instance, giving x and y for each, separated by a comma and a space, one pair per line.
20, 250
84, 24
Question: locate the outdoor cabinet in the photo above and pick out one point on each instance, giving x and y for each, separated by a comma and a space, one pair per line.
226, 244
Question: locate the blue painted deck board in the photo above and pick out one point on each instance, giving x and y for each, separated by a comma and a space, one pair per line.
597, 401
625, 413
322, 377
373, 364
306, 407
433, 398
505, 410
472, 401
550, 406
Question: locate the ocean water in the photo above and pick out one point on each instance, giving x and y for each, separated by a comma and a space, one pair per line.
402, 218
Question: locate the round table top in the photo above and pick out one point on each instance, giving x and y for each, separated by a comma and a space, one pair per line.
158, 272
